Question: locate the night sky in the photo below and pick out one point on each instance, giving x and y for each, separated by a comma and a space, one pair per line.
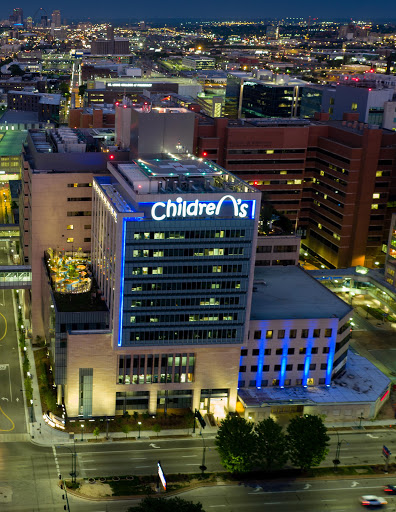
209, 9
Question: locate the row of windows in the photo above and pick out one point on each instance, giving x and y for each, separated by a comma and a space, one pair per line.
269, 334
187, 285
75, 185
187, 269
186, 253
267, 263
197, 234
185, 301
177, 319
323, 240
277, 248
277, 367
79, 214
263, 151
279, 351
276, 382
79, 198
262, 161
147, 369
193, 334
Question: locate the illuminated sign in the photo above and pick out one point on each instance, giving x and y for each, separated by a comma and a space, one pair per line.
242, 208
161, 475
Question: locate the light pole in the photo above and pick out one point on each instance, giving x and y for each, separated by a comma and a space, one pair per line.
82, 431
203, 467
360, 418
73, 473
139, 423
367, 312
337, 461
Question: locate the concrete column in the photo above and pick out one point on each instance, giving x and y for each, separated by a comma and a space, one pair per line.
153, 402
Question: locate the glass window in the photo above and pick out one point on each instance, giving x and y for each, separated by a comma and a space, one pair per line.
304, 333
314, 350
275, 382
266, 368
293, 333
253, 368
316, 333
257, 335
267, 352
244, 352
255, 352
269, 335
242, 369
328, 333
323, 366
279, 352
290, 351
281, 334
326, 350
303, 350
70, 240
300, 367
70, 226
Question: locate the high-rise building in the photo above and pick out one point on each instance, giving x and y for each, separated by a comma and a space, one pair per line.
333, 179
110, 32
18, 15
56, 18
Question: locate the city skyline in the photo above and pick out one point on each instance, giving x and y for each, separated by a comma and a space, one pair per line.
175, 9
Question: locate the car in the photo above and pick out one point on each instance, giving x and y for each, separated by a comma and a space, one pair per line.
372, 501
390, 489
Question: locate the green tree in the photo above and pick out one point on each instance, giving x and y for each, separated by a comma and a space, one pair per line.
15, 70
81, 90
96, 432
271, 446
157, 428
150, 504
64, 89
126, 429
236, 444
307, 441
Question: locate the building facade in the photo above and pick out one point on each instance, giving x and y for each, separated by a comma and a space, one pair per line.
333, 179
173, 253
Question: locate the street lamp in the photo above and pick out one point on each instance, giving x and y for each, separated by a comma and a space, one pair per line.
82, 431
139, 423
337, 461
73, 473
360, 418
367, 312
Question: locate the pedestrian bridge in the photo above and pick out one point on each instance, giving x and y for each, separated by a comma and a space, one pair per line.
15, 277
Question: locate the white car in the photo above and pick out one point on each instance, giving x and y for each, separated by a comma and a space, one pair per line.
372, 501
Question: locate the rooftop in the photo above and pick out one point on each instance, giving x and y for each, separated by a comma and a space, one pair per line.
291, 293
176, 175
11, 142
361, 382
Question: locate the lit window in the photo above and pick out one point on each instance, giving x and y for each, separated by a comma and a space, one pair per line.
70, 240
354, 107
374, 206
70, 226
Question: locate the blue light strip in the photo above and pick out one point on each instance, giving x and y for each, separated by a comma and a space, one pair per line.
259, 374
121, 305
239, 373
330, 357
307, 363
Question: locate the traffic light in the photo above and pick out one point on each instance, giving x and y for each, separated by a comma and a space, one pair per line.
198, 415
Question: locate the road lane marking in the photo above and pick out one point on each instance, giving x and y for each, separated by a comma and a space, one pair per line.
328, 500
191, 464
184, 456
313, 490
9, 419
139, 458
5, 328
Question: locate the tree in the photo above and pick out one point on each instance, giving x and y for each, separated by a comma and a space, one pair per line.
236, 444
81, 90
64, 89
307, 441
126, 429
15, 70
157, 428
150, 504
271, 446
96, 432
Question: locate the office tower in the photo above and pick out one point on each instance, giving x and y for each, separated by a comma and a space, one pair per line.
173, 245
332, 179
56, 18
18, 15
110, 32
